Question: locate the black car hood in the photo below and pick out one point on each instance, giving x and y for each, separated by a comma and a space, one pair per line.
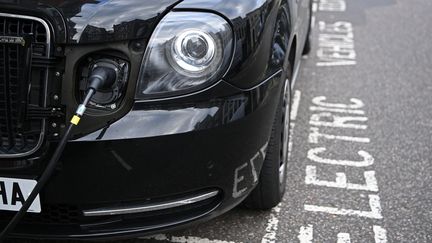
90, 21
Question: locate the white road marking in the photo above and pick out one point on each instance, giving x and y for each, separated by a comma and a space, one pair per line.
184, 239
343, 238
319, 120
293, 116
368, 160
336, 44
371, 183
332, 5
295, 105
314, 10
272, 226
314, 7
341, 180
314, 136
313, 22
380, 234
336, 110
336, 47
306, 234
332, 63
290, 141
320, 101
374, 203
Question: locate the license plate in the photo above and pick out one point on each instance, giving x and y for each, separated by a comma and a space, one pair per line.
14, 192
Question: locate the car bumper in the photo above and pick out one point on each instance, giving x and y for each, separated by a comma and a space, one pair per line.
157, 155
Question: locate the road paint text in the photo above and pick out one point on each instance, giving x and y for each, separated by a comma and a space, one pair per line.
343, 120
336, 38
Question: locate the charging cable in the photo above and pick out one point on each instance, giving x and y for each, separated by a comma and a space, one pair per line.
100, 77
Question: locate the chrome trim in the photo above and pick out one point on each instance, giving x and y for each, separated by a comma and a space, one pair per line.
261, 83
150, 207
43, 22
48, 42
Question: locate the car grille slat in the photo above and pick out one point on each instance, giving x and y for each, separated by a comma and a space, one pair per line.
21, 84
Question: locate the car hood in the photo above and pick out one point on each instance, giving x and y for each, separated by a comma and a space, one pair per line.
90, 21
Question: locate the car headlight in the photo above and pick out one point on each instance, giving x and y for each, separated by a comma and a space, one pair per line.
187, 51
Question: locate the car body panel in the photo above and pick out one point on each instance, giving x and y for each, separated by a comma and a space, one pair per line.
99, 21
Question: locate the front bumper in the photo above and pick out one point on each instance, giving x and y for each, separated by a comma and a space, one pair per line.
154, 155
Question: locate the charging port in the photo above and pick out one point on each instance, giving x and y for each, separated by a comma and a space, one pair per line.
107, 98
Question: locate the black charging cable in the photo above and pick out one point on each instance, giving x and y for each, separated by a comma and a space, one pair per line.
100, 77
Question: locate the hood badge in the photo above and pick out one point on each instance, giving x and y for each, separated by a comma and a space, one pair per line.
12, 40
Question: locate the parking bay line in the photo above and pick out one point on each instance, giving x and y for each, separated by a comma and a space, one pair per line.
272, 225
273, 221
295, 105
306, 235
184, 239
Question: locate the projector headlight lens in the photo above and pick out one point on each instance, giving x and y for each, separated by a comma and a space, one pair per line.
188, 50
194, 50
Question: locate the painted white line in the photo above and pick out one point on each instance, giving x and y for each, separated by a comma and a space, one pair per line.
184, 239
306, 234
336, 110
272, 226
335, 44
313, 17
343, 238
374, 203
320, 101
313, 22
314, 7
341, 180
336, 63
295, 105
348, 122
314, 136
370, 185
332, 5
380, 234
293, 116
290, 140
368, 160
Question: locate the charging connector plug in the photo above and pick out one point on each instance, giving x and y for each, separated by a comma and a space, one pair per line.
100, 78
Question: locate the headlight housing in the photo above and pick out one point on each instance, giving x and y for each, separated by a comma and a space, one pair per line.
187, 51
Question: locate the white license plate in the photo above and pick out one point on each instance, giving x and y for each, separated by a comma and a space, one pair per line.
14, 192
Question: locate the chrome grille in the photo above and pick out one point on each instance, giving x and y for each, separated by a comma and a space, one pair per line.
22, 85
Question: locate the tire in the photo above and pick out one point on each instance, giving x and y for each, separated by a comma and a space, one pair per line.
308, 43
272, 180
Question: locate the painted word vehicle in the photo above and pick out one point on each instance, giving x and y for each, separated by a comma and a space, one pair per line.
336, 38
343, 119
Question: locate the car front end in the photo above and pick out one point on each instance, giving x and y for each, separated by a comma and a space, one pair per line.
179, 137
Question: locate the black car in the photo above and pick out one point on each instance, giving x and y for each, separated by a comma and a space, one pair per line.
193, 120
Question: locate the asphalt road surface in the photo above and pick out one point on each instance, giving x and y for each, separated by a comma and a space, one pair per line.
361, 159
